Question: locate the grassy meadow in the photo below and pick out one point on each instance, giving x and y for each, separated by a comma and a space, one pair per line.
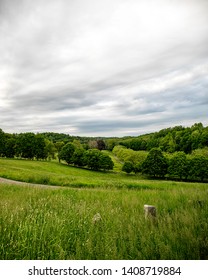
53, 173
47, 223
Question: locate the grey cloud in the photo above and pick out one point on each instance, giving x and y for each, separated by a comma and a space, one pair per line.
99, 67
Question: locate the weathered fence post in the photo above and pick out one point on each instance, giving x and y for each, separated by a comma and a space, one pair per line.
150, 211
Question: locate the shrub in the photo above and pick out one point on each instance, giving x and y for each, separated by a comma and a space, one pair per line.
128, 167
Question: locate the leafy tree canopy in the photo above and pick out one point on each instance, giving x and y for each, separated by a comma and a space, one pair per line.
155, 163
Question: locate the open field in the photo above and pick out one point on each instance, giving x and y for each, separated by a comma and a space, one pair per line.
37, 223
53, 173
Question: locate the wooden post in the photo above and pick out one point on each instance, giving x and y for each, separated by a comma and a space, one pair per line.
150, 211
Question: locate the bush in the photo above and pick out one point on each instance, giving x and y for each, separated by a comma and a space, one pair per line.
128, 167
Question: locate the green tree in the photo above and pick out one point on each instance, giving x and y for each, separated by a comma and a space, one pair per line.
59, 145
77, 144
2, 142
91, 159
26, 144
111, 143
9, 146
195, 139
167, 143
138, 167
67, 152
77, 157
40, 147
155, 163
105, 162
128, 167
153, 142
50, 149
186, 142
178, 165
199, 167
96, 160
204, 137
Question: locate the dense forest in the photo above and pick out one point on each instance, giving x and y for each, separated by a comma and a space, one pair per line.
178, 152
170, 140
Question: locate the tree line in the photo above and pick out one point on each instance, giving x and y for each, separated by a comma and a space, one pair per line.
187, 146
74, 153
177, 166
35, 146
170, 140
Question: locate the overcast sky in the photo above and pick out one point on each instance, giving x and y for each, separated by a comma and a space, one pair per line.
103, 67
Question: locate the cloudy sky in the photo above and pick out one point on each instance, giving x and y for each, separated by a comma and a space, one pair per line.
103, 67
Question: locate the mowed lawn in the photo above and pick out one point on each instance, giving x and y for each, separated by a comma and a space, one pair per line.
39, 223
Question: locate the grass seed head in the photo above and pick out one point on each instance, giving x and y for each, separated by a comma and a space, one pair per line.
96, 218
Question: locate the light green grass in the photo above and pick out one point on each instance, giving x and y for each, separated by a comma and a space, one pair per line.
38, 223
117, 163
52, 173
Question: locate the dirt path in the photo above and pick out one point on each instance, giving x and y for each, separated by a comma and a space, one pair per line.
24, 184
13, 182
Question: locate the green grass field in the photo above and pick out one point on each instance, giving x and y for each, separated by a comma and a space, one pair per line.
39, 223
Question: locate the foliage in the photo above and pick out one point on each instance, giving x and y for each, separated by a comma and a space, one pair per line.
2, 142
50, 149
97, 144
77, 157
96, 160
170, 140
9, 149
57, 137
155, 163
59, 145
105, 162
92, 144
111, 143
128, 167
101, 145
199, 167
200, 152
40, 147
178, 165
66, 152
29, 145
136, 144
125, 154
138, 168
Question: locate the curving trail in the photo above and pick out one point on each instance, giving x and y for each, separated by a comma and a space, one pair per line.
24, 184
13, 182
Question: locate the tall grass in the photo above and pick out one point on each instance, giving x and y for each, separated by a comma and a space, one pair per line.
38, 223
